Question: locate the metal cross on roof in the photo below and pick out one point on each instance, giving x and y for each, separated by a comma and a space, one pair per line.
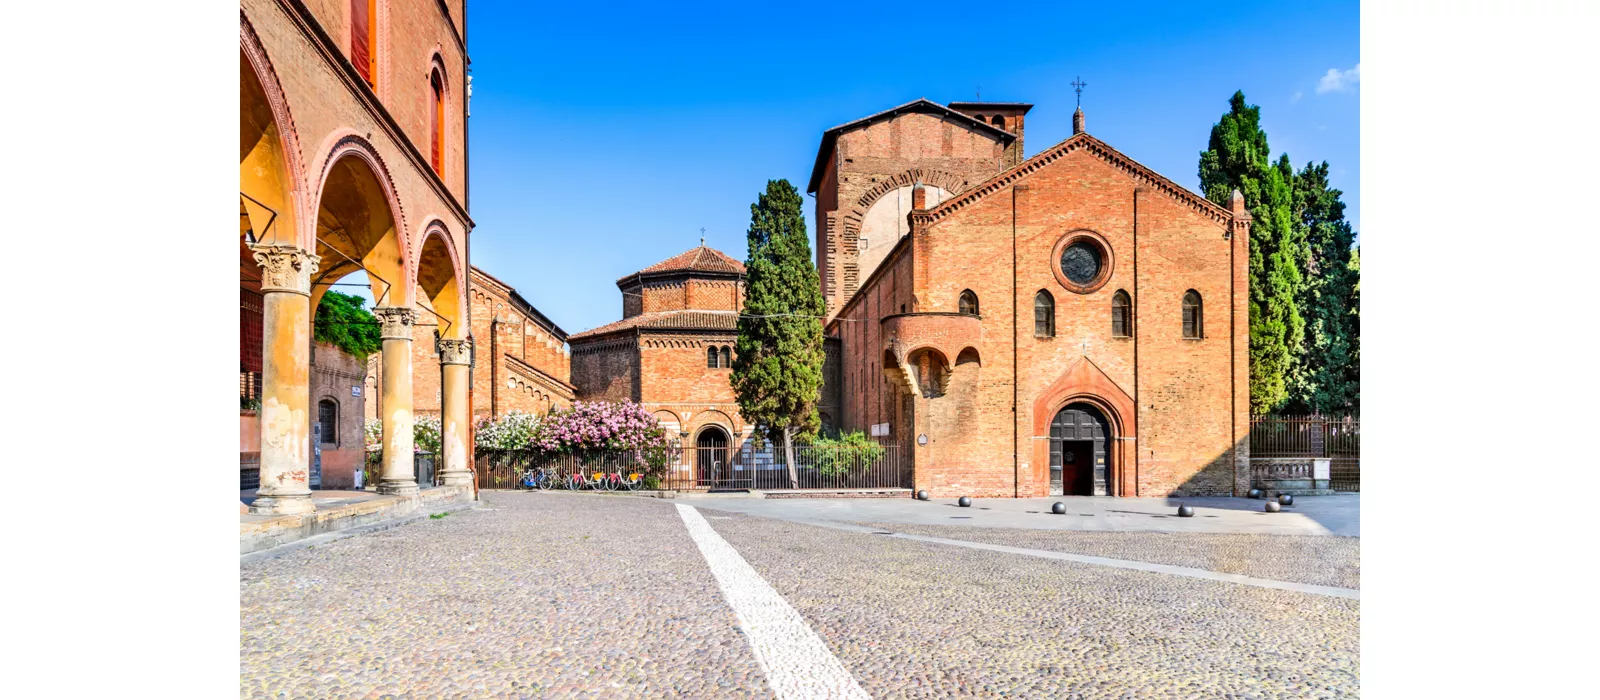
702, 236
1078, 85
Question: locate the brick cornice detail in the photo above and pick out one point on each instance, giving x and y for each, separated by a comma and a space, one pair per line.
605, 344
1084, 142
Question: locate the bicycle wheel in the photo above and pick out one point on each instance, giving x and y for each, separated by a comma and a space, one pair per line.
543, 481
632, 483
574, 482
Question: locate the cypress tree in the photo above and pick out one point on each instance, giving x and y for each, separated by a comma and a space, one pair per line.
1238, 157
777, 371
1327, 379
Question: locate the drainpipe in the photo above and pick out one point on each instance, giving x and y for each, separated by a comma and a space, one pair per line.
1133, 317
494, 366
1016, 457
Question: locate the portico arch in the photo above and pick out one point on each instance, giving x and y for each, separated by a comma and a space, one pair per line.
360, 226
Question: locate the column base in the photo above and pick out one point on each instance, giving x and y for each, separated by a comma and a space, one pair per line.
282, 504
460, 478
398, 487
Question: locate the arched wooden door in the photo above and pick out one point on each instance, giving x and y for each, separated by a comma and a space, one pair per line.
711, 455
1079, 459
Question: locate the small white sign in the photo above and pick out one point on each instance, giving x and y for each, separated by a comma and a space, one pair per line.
355, 390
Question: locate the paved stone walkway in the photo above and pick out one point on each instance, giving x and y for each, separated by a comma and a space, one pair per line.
583, 596
538, 595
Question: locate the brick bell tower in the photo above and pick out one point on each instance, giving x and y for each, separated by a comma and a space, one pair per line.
866, 169
1007, 116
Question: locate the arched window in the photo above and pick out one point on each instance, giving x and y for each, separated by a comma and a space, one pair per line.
1121, 315
436, 122
328, 417
1193, 316
999, 122
711, 357
1044, 315
969, 303
727, 357
364, 39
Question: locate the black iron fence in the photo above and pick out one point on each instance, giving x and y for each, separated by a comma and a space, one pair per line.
875, 466
1335, 438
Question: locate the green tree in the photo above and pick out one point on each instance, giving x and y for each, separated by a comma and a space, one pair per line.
342, 321
1238, 157
1327, 379
777, 369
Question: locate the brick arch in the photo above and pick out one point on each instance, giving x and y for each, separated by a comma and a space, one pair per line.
347, 143
1085, 382
288, 135
949, 182
435, 226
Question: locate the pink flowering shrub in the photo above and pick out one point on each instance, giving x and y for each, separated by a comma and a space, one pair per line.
598, 426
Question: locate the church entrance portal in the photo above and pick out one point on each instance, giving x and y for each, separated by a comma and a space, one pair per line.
1078, 455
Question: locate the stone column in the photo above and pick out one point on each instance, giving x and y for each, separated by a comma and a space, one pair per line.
455, 362
285, 379
398, 475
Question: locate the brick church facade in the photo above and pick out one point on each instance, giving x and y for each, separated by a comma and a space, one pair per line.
1072, 323
672, 351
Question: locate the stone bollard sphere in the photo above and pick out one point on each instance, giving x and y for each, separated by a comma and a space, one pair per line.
1255, 493
1059, 508
964, 502
922, 495
1273, 507
1185, 512
1285, 500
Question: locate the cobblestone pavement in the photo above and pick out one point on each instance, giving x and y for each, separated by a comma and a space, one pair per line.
564, 595
543, 596
918, 620
1322, 560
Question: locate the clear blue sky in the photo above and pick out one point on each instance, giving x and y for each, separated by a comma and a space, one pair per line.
604, 137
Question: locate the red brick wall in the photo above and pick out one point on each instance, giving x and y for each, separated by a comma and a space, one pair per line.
408, 35
520, 365
333, 373
1187, 413
674, 369
607, 370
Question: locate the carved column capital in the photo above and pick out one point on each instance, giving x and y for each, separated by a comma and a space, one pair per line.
455, 352
285, 268
397, 321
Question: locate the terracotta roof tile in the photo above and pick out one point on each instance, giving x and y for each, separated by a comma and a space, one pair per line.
668, 320
699, 259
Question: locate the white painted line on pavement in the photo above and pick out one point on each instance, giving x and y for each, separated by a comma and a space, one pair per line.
798, 664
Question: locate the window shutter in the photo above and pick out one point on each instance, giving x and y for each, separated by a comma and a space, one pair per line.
360, 33
436, 124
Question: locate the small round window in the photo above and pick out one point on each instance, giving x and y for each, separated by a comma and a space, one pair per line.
1080, 262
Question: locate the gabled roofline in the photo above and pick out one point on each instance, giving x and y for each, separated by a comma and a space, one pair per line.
1026, 106
1098, 148
921, 104
522, 304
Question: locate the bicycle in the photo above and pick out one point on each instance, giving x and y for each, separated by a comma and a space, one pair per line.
542, 479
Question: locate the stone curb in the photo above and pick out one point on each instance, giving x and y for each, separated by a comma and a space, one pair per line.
326, 537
